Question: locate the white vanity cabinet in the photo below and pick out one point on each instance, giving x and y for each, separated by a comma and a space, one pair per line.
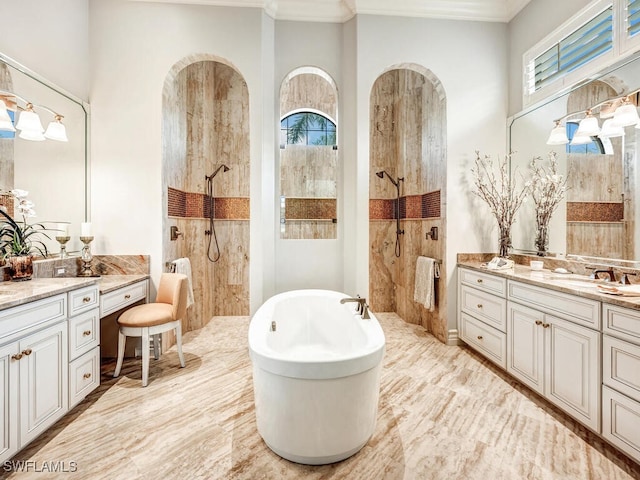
558, 359
549, 340
482, 314
33, 359
45, 345
621, 378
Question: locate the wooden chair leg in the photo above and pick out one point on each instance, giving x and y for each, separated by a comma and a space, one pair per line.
179, 343
122, 339
145, 356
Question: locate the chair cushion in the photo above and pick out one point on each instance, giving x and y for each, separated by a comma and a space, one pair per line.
146, 315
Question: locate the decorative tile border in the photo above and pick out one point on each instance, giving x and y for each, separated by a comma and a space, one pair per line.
595, 212
195, 205
422, 206
310, 209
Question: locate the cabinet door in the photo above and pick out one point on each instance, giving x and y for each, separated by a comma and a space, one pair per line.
8, 401
621, 422
573, 373
44, 388
525, 345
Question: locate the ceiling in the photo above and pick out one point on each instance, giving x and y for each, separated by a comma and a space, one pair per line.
343, 10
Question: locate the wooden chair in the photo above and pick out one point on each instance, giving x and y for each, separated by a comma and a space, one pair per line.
152, 319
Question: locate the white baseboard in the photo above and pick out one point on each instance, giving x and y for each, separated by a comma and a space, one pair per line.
452, 337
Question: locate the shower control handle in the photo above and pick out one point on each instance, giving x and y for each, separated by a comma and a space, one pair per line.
174, 233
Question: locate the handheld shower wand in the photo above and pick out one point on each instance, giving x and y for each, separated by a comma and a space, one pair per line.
212, 229
396, 183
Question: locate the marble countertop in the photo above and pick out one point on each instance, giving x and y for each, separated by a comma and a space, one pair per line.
573, 284
109, 283
13, 294
17, 293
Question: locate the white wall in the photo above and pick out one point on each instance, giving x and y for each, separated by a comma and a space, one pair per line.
133, 46
470, 59
51, 38
310, 263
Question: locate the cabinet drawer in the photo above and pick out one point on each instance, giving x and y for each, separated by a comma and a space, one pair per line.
483, 281
621, 422
621, 366
621, 322
84, 376
84, 333
114, 301
83, 299
27, 318
486, 307
487, 340
580, 310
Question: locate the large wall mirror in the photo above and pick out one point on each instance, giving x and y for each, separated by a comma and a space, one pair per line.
599, 214
55, 173
308, 155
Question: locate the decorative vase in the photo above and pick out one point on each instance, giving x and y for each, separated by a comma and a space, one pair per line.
542, 239
505, 241
20, 267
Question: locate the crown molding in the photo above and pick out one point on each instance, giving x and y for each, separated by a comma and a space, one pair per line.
342, 10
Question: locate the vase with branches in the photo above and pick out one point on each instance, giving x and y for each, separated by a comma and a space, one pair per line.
502, 192
548, 188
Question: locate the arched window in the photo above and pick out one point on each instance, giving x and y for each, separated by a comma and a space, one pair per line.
307, 128
593, 147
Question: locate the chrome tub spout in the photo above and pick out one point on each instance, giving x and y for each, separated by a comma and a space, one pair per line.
362, 308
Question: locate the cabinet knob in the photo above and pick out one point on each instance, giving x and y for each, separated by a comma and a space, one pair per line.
86, 299
86, 376
28, 351
17, 356
479, 337
479, 280
479, 305
546, 325
86, 333
127, 296
538, 322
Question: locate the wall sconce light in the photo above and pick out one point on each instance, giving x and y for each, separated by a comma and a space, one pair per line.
29, 122
558, 135
619, 112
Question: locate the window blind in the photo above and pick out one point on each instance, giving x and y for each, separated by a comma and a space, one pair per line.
583, 45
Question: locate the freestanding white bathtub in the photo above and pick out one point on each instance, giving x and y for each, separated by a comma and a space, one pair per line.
316, 377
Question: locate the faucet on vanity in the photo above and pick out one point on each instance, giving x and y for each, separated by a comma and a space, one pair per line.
609, 271
624, 279
362, 309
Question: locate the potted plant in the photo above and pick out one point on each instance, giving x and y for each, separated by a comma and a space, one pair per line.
19, 240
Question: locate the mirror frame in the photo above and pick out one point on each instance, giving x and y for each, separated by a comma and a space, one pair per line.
546, 102
69, 96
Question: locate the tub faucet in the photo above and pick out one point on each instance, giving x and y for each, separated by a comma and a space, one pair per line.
362, 308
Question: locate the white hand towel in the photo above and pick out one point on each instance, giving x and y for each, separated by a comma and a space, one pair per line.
424, 291
183, 265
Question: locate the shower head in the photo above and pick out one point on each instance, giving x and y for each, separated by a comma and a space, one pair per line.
223, 166
382, 173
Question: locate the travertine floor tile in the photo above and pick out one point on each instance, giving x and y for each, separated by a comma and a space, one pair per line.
445, 413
